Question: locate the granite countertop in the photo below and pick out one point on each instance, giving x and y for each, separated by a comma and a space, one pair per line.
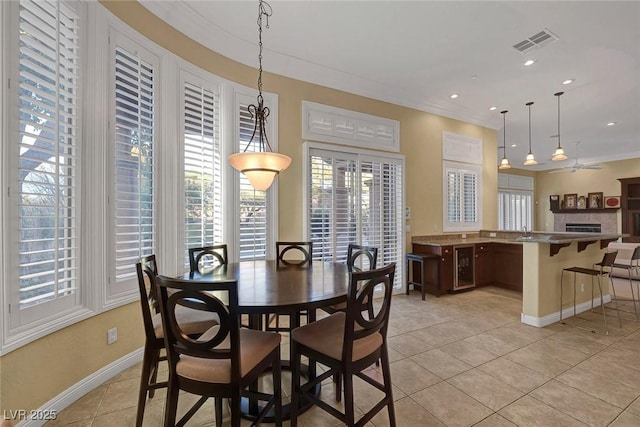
513, 238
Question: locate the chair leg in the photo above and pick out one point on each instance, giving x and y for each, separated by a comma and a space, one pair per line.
615, 298
386, 376
171, 405
218, 407
348, 398
276, 371
154, 371
337, 378
235, 407
296, 359
604, 314
561, 283
144, 382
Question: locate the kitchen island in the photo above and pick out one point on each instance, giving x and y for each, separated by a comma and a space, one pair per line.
528, 262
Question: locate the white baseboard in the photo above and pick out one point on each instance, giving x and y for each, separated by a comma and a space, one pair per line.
76, 391
541, 322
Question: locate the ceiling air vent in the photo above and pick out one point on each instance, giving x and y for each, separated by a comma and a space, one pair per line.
537, 40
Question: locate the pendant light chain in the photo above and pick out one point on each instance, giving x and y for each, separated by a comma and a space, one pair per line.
504, 164
530, 160
559, 153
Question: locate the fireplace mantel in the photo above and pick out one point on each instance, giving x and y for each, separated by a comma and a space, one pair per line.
579, 211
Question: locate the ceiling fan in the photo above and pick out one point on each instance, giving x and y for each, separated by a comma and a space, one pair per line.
577, 165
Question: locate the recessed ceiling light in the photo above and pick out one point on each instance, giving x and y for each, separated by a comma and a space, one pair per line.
454, 95
493, 108
568, 81
529, 62
514, 145
611, 124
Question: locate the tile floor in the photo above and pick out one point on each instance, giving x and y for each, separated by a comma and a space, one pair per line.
457, 360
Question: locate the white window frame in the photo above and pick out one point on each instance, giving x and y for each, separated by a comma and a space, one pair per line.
358, 154
513, 186
465, 168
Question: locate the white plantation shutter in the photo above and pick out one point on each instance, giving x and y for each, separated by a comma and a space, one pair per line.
462, 184
202, 167
353, 198
515, 210
253, 203
133, 199
47, 163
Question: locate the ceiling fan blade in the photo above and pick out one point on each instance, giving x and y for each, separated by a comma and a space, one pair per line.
562, 170
594, 167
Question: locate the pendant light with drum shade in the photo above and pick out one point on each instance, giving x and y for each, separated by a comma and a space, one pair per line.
504, 164
559, 153
531, 159
261, 166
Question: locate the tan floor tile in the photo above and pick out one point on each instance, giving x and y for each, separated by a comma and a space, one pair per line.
491, 343
443, 333
451, 406
408, 414
441, 363
558, 350
578, 341
485, 389
468, 353
528, 411
539, 362
514, 374
512, 335
598, 386
635, 407
495, 420
410, 377
82, 409
121, 395
626, 419
409, 344
576, 403
608, 367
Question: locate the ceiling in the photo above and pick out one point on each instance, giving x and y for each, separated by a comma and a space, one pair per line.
418, 53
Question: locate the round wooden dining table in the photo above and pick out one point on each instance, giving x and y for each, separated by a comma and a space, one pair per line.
267, 287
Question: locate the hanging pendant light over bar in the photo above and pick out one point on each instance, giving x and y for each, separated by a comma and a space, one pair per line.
504, 164
559, 153
261, 166
531, 159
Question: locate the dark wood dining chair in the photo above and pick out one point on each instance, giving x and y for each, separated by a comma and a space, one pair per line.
348, 343
359, 258
291, 255
194, 322
224, 361
207, 257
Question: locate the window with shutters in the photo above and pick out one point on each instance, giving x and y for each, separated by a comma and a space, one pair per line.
355, 197
515, 209
133, 130
203, 214
43, 198
462, 185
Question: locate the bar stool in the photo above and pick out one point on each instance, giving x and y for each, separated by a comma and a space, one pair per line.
420, 259
634, 265
606, 263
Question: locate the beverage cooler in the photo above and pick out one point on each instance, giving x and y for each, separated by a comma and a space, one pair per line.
463, 267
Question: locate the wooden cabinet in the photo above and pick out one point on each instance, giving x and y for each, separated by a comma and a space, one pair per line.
483, 264
507, 259
498, 264
441, 278
630, 204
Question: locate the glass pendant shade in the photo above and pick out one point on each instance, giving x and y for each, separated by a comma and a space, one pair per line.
531, 159
559, 153
504, 163
260, 168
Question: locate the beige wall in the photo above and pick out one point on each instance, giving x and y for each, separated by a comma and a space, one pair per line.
41, 370
581, 183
